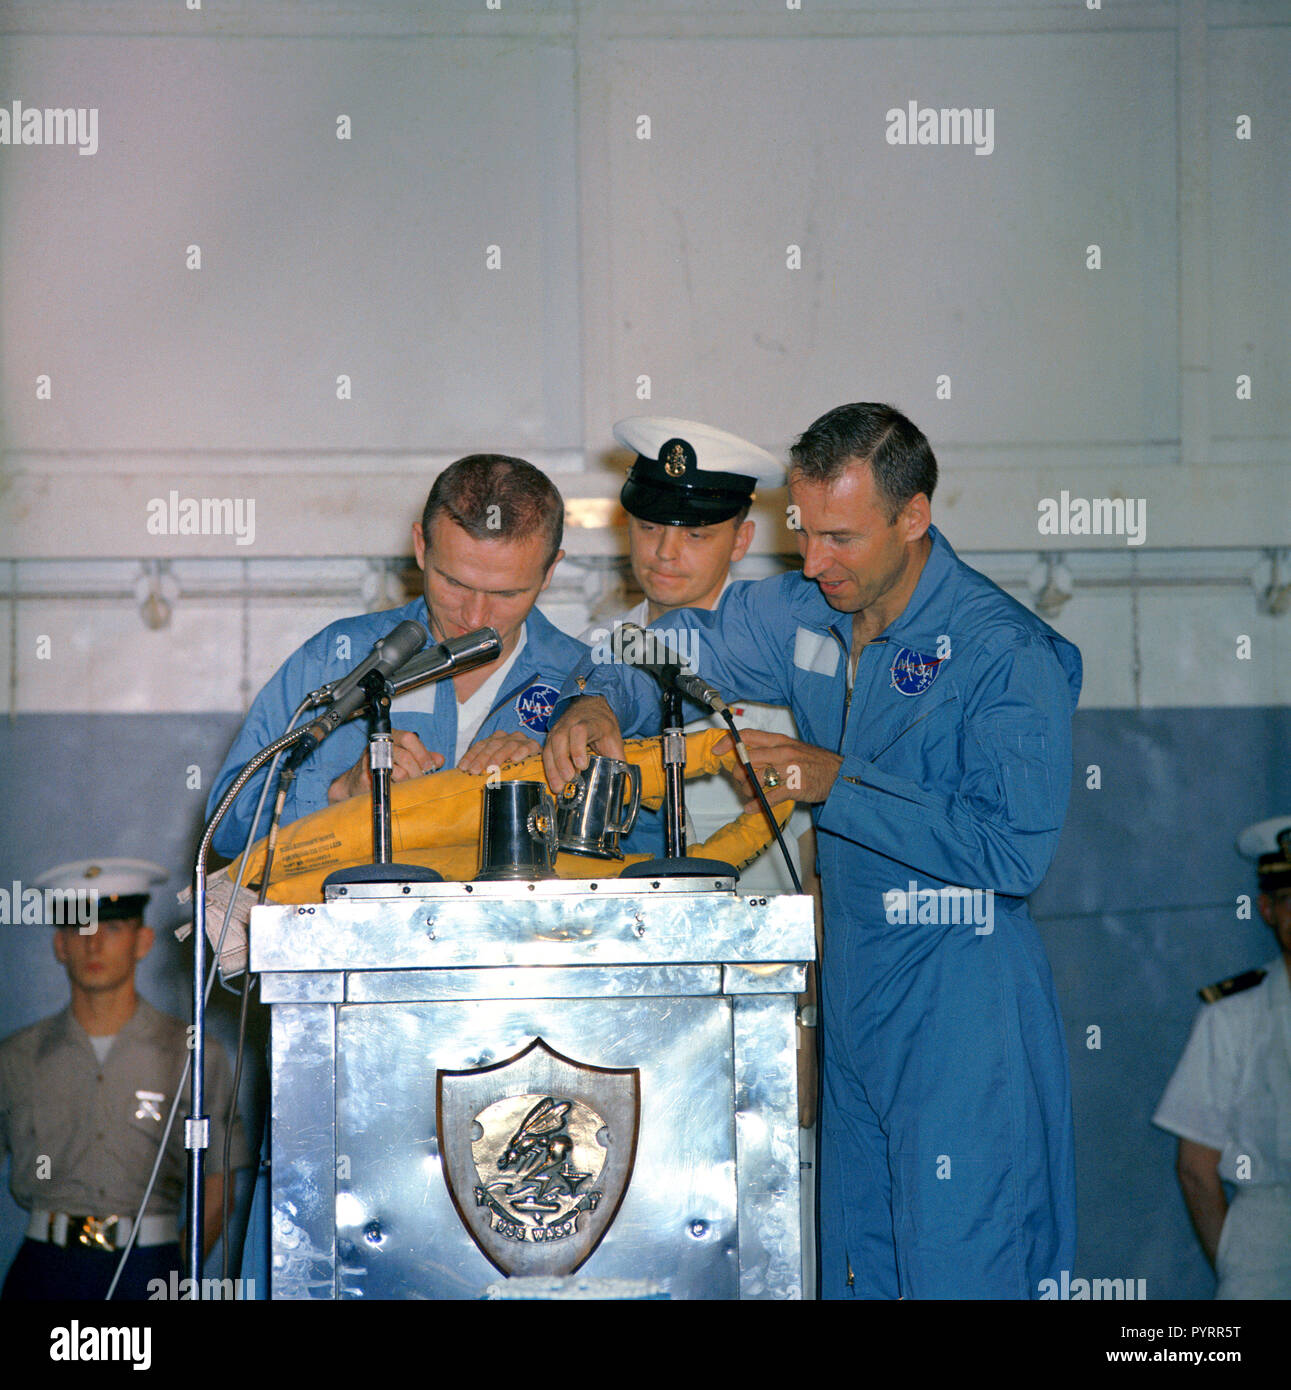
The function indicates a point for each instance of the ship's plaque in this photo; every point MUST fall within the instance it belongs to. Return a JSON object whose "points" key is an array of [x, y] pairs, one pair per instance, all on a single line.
{"points": [[537, 1153]]}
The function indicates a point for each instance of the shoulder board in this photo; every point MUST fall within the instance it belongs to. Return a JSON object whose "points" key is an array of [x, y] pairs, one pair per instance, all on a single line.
{"points": [[1212, 994]]}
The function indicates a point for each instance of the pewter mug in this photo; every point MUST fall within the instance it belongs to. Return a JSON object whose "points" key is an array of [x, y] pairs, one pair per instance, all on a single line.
{"points": [[597, 806], [517, 832]]}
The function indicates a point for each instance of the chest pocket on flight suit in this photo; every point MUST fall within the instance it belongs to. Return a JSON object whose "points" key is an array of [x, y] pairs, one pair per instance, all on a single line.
{"points": [[934, 721]]}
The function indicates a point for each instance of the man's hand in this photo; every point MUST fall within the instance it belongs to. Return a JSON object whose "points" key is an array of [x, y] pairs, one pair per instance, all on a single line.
{"points": [[798, 771], [1197, 1168], [496, 749], [411, 759], [586, 728]]}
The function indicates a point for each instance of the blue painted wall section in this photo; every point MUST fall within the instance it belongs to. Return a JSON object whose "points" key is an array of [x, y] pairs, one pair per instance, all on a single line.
{"points": [[1138, 911]]}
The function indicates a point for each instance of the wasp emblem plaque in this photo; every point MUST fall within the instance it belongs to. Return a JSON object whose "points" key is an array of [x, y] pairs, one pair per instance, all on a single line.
{"points": [[538, 1153]]}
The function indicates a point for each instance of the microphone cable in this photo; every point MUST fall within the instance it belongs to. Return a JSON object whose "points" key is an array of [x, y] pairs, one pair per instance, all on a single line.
{"points": [[188, 1061], [742, 753]]}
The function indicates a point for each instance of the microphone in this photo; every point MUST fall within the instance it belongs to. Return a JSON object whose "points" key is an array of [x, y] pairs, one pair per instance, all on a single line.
{"points": [[462, 653], [388, 654], [690, 684], [649, 651]]}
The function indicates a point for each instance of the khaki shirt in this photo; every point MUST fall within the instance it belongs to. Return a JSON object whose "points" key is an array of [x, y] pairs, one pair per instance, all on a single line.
{"points": [[83, 1138]]}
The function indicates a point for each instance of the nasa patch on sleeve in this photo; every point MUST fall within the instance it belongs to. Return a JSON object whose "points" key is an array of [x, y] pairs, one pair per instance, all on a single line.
{"points": [[912, 672], [534, 705]]}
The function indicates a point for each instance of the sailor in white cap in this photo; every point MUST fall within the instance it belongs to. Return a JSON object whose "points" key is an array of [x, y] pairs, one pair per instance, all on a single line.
{"points": [[687, 497], [1229, 1100], [84, 1097]]}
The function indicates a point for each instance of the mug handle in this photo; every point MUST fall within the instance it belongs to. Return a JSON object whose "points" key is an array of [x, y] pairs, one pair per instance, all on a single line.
{"points": [[544, 811], [634, 801]]}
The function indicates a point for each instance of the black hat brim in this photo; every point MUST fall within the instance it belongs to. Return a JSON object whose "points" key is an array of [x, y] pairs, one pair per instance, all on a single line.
{"points": [[682, 505]]}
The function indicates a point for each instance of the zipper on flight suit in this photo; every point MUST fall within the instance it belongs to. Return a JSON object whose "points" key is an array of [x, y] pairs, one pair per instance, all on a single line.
{"points": [[847, 711], [851, 671]]}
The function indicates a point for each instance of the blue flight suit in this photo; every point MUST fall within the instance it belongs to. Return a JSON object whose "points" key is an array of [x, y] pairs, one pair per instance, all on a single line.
{"points": [[947, 1154], [524, 706]]}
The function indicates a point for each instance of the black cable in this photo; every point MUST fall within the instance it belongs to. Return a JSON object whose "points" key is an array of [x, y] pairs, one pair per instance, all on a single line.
{"points": [[742, 753], [229, 1120], [285, 779]]}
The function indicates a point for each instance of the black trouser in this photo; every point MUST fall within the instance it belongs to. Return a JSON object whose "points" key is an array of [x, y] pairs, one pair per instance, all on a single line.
{"points": [[46, 1271]]}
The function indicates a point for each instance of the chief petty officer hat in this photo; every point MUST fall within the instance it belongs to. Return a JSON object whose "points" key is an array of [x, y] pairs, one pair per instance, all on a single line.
{"points": [[123, 886], [1268, 842], [688, 474]]}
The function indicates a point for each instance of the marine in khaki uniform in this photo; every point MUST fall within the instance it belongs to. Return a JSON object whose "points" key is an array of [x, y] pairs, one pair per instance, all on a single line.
{"points": [[84, 1097], [1229, 1100]]}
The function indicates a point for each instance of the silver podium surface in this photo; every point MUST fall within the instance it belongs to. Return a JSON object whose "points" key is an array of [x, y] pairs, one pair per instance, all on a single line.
{"points": [[377, 995]]}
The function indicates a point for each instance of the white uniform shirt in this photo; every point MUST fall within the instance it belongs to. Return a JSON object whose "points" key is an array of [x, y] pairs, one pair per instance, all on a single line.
{"points": [[714, 801], [1232, 1088], [475, 709], [471, 712]]}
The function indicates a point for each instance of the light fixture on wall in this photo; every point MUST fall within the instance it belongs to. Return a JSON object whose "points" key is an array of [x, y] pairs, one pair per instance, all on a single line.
{"points": [[156, 590], [1051, 585], [1272, 581]]}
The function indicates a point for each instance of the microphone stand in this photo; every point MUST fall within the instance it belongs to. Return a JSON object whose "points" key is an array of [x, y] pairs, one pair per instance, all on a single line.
{"points": [[675, 679], [197, 1126], [380, 764], [676, 863], [674, 771]]}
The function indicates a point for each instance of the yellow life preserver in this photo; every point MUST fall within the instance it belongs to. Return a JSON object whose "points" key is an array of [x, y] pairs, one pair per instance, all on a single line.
{"points": [[436, 822]]}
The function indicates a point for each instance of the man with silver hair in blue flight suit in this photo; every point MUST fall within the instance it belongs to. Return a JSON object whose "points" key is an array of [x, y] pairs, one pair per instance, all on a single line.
{"points": [[935, 715]]}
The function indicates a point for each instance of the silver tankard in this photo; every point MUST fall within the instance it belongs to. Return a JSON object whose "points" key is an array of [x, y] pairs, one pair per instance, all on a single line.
{"points": [[517, 832], [597, 806]]}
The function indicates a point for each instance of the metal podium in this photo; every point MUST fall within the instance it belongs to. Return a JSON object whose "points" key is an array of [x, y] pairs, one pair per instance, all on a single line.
{"points": [[474, 1082]]}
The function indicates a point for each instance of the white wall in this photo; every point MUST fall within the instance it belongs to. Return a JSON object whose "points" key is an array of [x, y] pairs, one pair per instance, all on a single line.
{"points": [[622, 258]]}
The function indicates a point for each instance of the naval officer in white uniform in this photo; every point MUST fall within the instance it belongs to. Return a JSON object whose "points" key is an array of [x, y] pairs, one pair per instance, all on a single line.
{"points": [[1229, 1100]]}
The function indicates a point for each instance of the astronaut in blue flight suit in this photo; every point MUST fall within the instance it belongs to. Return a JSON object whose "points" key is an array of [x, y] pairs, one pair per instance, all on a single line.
{"points": [[488, 544], [935, 721]]}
